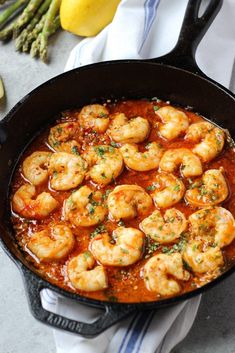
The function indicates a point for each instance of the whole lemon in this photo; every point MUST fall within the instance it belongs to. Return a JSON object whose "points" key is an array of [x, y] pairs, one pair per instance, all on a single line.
{"points": [[87, 17]]}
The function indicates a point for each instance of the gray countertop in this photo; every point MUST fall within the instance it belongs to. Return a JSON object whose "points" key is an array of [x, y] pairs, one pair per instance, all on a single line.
{"points": [[213, 330]]}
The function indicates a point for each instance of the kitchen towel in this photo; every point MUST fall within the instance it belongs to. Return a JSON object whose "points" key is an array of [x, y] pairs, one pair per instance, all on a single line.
{"points": [[145, 29]]}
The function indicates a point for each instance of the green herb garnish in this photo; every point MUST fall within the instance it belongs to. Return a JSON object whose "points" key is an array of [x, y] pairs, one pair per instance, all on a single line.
{"points": [[100, 229]]}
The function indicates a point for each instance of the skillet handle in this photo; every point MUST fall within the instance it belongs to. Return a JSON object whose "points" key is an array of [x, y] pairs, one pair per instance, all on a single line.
{"points": [[191, 33], [112, 313]]}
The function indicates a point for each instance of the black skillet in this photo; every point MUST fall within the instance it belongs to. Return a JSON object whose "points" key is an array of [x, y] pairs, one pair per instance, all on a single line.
{"points": [[173, 77]]}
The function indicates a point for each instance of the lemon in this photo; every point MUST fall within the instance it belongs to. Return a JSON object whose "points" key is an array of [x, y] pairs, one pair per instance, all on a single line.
{"points": [[87, 17]]}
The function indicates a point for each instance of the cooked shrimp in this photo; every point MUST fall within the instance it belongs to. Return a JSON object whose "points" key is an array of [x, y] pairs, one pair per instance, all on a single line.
{"points": [[128, 201], [211, 137], [52, 243], [215, 222], [83, 277], [85, 208], [37, 208], [35, 167], [167, 190], [164, 229], [94, 116], [142, 161], [126, 251], [156, 272], [105, 163], [66, 170], [202, 258], [128, 131], [62, 137], [189, 162], [174, 122], [210, 190]]}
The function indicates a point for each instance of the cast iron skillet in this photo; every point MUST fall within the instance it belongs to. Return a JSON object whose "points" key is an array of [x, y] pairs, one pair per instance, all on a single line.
{"points": [[173, 77]]}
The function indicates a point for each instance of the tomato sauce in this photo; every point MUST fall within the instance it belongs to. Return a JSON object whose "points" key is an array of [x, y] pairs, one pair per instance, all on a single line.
{"points": [[125, 283]]}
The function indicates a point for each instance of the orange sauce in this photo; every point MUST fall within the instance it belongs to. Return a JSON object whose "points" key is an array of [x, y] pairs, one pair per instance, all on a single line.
{"points": [[125, 283]]}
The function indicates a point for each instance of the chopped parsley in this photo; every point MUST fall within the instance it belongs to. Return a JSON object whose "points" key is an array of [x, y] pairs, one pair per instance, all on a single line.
{"points": [[91, 209], [100, 229], [151, 187], [111, 149], [155, 107], [179, 247], [125, 251], [103, 175], [100, 150], [86, 254], [167, 250], [113, 144], [103, 115], [151, 248], [92, 201], [194, 248], [75, 150], [106, 194], [176, 187], [121, 223]]}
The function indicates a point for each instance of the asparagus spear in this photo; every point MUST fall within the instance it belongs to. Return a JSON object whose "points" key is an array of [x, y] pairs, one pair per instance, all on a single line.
{"points": [[26, 15], [51, 13], [35, 48], [34, 51], [7, 32], [21, 39], [10, 10], [30, 37]]}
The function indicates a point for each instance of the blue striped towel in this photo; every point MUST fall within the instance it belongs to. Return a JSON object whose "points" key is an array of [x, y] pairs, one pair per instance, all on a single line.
{"points": [[144, 332]]}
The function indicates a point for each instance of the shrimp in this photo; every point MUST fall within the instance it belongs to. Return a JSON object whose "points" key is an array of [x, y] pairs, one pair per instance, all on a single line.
{"points": [[105, 163], [126, 251], [215, 222], [128, 131], [211, 190], [156, 272], [167, 190], [27, 207], [85, 207], [211, 137], [52, 244], [142, 161], [62, 137], [174, 122], [202, 258], [66, 170], [94, 116], [83, 277], [189, 162], [128, 201], [35, 167], [164, 229]]}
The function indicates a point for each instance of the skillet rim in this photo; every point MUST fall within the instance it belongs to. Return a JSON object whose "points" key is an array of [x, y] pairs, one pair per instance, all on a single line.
{"points": [[86, 300], [158, 61]]}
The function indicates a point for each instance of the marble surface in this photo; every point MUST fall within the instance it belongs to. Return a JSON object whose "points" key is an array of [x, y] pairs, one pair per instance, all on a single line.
{"points": [[213, 330]]}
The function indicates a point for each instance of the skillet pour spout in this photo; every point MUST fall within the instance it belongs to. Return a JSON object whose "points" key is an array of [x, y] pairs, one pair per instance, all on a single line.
{"points": [[175, 77]]}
